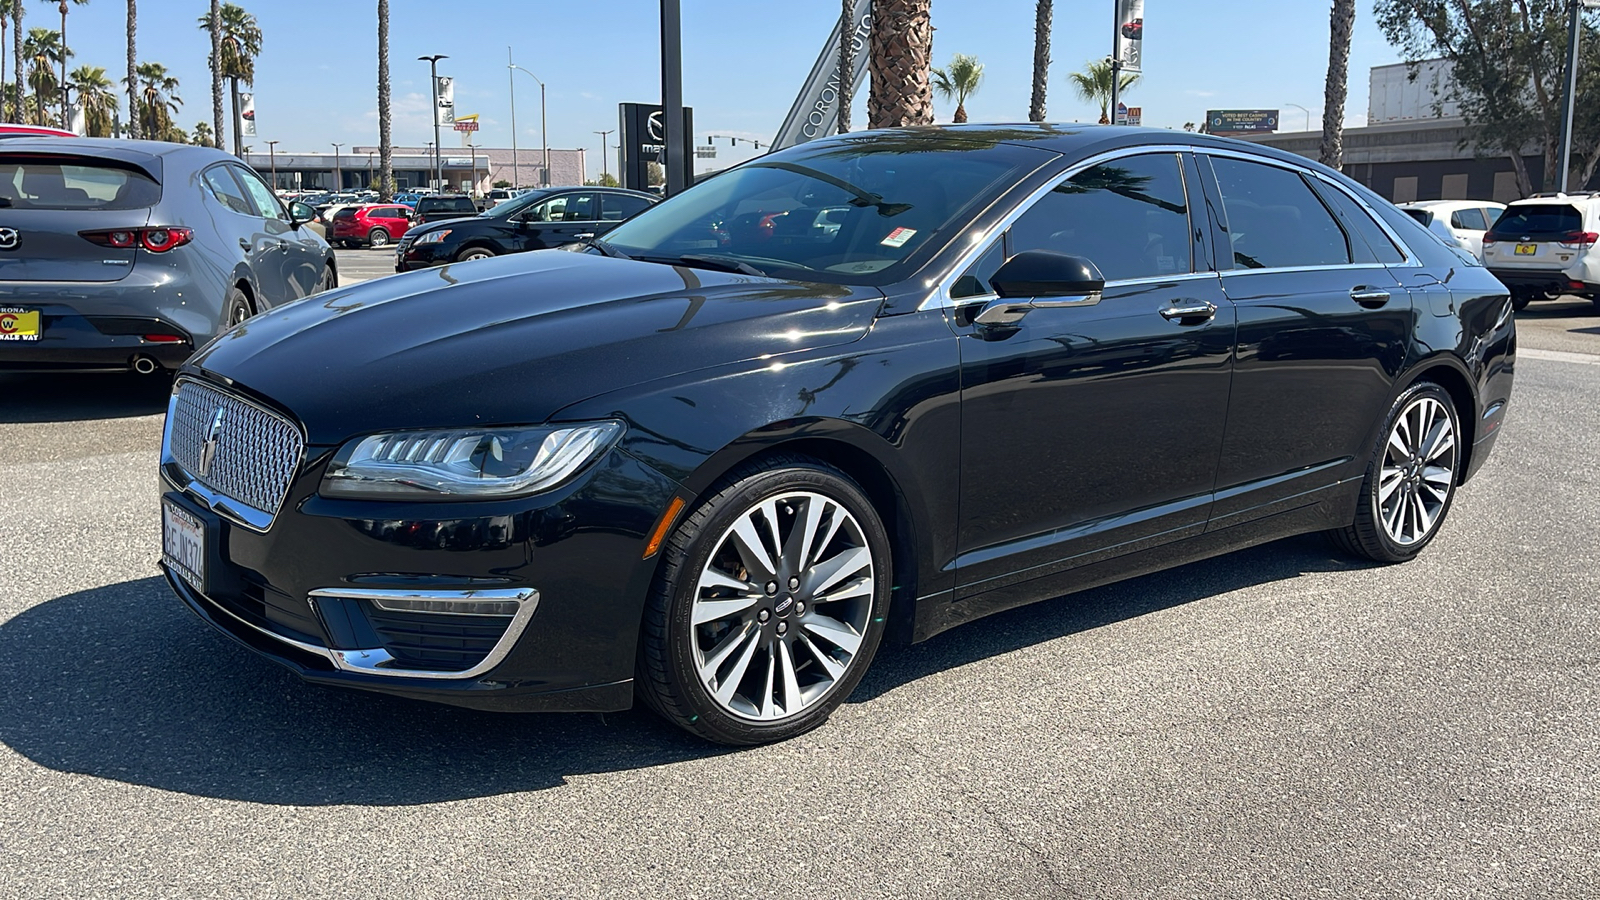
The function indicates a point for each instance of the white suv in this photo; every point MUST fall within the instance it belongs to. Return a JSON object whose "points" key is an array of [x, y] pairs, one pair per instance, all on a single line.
{"points": [[1546, 246], [1459, 222]]}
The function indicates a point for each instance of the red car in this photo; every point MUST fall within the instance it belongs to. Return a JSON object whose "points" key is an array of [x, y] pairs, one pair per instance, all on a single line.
{"points": [[10, 129], [374, 225]]}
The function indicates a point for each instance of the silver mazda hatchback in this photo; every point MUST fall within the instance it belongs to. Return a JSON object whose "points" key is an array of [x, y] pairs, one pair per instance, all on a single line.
{"points": [[120, 256]]}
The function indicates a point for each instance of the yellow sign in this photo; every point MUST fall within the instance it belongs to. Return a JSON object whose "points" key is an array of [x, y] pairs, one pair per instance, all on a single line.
{"points": [[19, 324]]}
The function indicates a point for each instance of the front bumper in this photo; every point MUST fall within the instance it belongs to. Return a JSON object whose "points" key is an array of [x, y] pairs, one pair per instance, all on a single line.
{"points": [[299, 591], [409, 257]]}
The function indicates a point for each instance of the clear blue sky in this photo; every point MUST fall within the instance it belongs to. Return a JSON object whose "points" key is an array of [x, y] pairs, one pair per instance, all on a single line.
{"points": [[743, 61]]}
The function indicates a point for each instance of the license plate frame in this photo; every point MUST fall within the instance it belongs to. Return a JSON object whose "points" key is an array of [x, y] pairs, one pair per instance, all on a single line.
{"points": [[1526, 250], [20, 323], [184, 544]]}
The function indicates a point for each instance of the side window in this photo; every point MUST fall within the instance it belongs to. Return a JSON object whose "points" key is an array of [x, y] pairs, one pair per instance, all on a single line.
{"points": [[1359, 220], [267, 205], [1469, 219], [581, 208], [975, 281], [226, 190], [616, 207], [1491, 214], [1274, 220], [1130, 217], [552, 210]]}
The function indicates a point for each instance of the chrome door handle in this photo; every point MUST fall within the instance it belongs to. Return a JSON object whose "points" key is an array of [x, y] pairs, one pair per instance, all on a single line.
{"points": [[1370, 297], [1190, 309], [583, 237]]}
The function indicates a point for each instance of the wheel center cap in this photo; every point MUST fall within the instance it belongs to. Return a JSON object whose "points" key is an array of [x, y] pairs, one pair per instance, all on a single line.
{"points": [[784, 605]]}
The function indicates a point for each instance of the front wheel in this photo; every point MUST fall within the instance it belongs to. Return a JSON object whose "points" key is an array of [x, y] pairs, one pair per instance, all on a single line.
{"points": [[1411, 479], [237, 308], [769, 606], [472, 253]]}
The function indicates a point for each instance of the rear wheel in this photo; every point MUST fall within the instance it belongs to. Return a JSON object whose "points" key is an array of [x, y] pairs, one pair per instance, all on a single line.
{"points": [[1411, 479], [237, 308], [472, 253], [377, 237], [769, 607]]}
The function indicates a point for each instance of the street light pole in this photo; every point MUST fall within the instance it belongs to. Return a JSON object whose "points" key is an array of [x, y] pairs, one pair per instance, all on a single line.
{"points": [[272, 154], [1304, 110], [338, 175], [544, 134], [369, 170], [511, 77], [603, 135], [433, 89]]}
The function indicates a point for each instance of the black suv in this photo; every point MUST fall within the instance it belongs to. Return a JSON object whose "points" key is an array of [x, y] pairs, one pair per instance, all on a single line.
{"points": [[435, 208], [537, 220]]}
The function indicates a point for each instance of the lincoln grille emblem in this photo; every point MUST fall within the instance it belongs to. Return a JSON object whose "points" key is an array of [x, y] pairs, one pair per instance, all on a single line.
{"points": [[208, 449]]}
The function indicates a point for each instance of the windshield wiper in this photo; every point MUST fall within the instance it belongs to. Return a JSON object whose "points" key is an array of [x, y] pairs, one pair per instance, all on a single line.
{"points": [[589, 240], [723, 263], [860, 198]]}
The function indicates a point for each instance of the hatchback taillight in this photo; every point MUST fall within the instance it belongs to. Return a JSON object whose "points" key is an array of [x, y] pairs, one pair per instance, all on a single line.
{"points": [[156, 240], [1577, 240]]}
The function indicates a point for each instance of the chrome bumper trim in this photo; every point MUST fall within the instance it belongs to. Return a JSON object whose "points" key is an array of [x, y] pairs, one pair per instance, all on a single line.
{"points": [[377, 661]]}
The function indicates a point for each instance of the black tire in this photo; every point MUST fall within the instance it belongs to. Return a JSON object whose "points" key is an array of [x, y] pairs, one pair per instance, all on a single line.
{"points": [[330, 279], [668, 678], [1370, 535], [378, 237], [237, 308], [472, 253]]}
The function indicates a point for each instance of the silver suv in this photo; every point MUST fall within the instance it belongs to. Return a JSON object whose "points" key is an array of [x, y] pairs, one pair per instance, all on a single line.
{"points": [[1546, 246]]}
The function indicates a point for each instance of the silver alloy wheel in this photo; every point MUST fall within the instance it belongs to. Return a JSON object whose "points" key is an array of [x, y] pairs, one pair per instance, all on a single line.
{"points": [[781, 606], [238, 314], [378, 237], [1418, 473], [475, 253]]}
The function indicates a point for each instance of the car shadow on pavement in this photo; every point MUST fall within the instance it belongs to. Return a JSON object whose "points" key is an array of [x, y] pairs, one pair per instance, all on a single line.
{"points": [[71, 398], [122, 682]]}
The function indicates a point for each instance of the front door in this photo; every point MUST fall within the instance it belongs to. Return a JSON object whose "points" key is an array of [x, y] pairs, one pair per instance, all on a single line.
{"points": [[1091, 431], [1324, 327], [297, 261]]}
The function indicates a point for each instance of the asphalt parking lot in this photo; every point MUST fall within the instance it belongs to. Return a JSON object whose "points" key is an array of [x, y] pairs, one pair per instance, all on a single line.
{"points": [[1275, 723]]}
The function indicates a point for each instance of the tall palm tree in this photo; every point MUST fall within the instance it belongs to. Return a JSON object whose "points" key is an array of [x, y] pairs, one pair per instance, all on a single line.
{"points": [[66, 52], [900, 52], [43, 49], [203, 135], [158, 100], [97, 98], [132, 81], [1341, 22], [960, 80], [385, 117], [5, 25], [1093, 85], [847, 60], [16, 53], [212, 23], [240, 39], [1043, 12]]}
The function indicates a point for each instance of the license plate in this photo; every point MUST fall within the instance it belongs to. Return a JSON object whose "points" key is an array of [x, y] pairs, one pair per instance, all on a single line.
{"points": [[1527, 249], [19, 324], [183, 544]]}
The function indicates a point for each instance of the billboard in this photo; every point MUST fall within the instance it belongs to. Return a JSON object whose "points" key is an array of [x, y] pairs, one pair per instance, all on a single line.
{"points": [[247, 115], [643, 140], [816, 110], [444, 94], [1241, 121], [1130, 34]]}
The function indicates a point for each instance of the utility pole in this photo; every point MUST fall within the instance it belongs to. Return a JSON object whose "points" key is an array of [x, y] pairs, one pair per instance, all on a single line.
{"points": [[511, 77], [433, 90], [544, 123], [272, 154], [338, 174], [603, 135], [672, 94]]}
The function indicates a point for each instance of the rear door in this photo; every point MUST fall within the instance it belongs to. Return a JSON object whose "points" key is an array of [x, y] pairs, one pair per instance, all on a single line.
{"points": [[1468, 226], [47, 201], [559, 220], [1323, 331]]}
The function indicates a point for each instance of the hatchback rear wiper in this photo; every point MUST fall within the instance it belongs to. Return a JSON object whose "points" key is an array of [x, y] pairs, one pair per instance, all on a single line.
{"points": [[724, 263]]}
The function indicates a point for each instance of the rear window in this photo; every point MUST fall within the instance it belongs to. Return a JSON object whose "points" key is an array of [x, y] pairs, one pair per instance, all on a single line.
{"points": [[58, 184], [346, 213], [1539, 219], [443, 204], [1421, 215]]}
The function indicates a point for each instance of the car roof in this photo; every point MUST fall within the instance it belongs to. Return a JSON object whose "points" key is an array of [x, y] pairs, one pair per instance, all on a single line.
{"points": [[1574, 199]]}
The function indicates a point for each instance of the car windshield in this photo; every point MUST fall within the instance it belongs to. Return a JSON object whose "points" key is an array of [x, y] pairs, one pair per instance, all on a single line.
{"points": [[1534, 219], [847, 212], [514, 205]]}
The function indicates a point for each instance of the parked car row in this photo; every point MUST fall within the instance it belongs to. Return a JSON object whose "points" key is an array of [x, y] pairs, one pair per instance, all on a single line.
{"points": [[1541, 248]]}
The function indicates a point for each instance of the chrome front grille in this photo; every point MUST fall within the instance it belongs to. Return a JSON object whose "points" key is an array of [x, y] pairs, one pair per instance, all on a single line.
{"points": [[238, 450]]}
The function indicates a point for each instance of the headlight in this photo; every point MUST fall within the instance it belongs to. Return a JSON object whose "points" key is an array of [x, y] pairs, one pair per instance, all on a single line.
{"points": [[433, 237], [467, 463]]}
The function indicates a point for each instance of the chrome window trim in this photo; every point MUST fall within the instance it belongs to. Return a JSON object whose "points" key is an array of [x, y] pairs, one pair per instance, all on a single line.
{"points": [[374, 661], [236, 511]]}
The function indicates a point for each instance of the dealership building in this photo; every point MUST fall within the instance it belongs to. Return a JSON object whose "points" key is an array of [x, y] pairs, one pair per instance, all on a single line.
{"points": [[1416, 145], [474, 170]]}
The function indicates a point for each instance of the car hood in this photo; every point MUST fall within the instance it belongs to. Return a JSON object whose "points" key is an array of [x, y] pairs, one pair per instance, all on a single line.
{"points": [[513, 339]]}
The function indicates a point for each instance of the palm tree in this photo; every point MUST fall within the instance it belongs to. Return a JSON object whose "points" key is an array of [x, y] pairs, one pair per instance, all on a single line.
{"points": [[241, 44], [900, 52], [1043, 12], [158, 100], [96, 97], [960, 80], [16, 53], [203, 135], [212, 23], [5, 24], [65, 52], [1341, 22], [847, 60], [1093, 85], [43, 48], [385, 118], [132, 81]]}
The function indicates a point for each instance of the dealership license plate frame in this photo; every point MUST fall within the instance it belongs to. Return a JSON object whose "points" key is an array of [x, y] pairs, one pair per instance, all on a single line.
{"points": [[22, 316], [186, 533], [1526, 250]]}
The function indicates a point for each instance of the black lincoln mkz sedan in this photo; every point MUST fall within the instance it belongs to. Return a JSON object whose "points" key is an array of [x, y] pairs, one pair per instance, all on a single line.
{"points": [[874, 386]]}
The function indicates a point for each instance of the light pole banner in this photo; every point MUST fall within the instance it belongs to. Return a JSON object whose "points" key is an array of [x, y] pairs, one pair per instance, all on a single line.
{"points": [[444, 94], [1130, 34], [247, 115]]}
